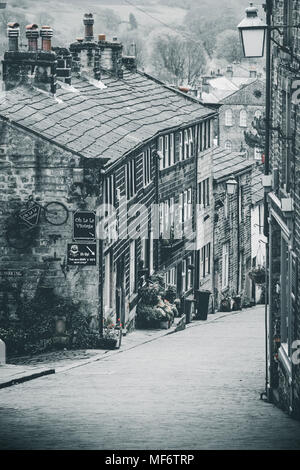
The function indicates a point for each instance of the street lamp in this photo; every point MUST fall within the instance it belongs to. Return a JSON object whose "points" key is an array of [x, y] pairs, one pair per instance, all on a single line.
{"points": [[253, 33], [231, 185]]}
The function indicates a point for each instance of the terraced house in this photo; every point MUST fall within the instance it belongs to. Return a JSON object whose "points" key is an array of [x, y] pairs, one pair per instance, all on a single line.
{"points": [[284, 212], [114, 152]]}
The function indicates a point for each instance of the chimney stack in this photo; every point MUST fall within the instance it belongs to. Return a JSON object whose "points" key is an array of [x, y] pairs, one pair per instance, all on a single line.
{"points": [[13, 34], [46, 34], [88, 22], [32, 34], [111, 55]]}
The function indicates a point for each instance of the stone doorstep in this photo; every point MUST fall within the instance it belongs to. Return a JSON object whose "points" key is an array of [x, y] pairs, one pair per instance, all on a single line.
{"points": [[12, 375]]}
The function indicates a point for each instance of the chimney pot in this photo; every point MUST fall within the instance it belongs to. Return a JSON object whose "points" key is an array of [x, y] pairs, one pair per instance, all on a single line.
{"points": [[101, 37], [46, 34], [13, 33], [32, 34], [79, 39], [88, 22]]}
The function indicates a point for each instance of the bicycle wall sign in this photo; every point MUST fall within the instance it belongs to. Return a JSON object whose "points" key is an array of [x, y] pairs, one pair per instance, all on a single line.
{"points": [[22, 226], [84, 225], [82, 254]]}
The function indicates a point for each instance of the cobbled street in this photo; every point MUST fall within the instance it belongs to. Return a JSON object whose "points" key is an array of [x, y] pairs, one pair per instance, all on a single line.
{"points": [[196, 389]]}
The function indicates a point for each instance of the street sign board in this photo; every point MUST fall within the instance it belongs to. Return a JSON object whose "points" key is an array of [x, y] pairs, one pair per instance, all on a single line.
{"points": [[31, 216], [82, 254], [84, 225]]}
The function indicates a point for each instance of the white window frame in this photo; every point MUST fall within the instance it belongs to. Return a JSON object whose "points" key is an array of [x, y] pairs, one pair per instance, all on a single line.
{"points": [[186, 144], [166, 151], [181, 153], [189, 203], [243, 118], [228, 117], [191, 142], [228, 145], [172, 150], [161, 150], [147, 176], [131, 179]]}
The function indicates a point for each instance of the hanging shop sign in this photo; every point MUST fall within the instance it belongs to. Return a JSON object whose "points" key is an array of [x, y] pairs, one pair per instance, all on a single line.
{"points": [[84, 225], [82, 254]]}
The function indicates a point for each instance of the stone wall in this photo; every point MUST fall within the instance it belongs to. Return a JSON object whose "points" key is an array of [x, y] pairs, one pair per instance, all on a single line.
{"points": [[30, 165], [237, 233]]}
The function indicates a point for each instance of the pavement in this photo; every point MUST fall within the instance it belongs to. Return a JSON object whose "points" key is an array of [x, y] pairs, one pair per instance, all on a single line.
{"points": [[196, 389], [25, 368]]}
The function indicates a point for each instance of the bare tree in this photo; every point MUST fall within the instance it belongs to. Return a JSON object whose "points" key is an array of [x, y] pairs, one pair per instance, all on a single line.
{"points": [[177, 59]]}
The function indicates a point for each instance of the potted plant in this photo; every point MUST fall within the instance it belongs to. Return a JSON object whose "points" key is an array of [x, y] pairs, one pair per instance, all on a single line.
{"points": [[112, 334], [225, 304]]}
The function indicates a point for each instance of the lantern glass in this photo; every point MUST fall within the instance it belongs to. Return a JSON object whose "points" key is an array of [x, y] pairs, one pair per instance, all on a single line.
{"points": [[253, 32], [231, 186], [253, 41]]}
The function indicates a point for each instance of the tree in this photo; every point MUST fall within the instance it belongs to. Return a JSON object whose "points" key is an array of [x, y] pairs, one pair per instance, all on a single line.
{"points": [[177, 59], [133, 22], [228, 46], [110, 19]]}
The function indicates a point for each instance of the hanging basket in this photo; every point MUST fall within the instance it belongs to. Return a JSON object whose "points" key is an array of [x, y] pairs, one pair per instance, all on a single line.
{"points": [[258, 275]]}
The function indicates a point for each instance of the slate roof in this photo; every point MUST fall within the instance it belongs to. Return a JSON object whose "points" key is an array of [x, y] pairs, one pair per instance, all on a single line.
{"points": [[257, 189], [227, 163], [102, 120], [246, 95]]}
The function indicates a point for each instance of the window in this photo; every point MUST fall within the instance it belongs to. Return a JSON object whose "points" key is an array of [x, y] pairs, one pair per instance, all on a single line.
{"points": [[172, 156], [203, 193], [178, 147], [189, 203], [243, 118], [225, 265], [170, 277], [228, 117], [166, 152], [130, 179], [189, 278], [207, 259], [191, 143], [132, 263], [200, 137], [109, 193], [181, 146], [228, 145], [186, 144], [202, 263], [258, 114], [208, 133], [147, 166], [161, 151]]}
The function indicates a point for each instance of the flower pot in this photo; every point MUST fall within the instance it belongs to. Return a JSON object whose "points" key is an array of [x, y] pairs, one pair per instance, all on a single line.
{"points": [[164, 325]]}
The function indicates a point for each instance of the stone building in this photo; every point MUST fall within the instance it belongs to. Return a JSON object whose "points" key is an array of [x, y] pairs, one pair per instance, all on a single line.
{"points": [[284, 213], [82, 129], [258, 239], [232, 175], [236, 114]]}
